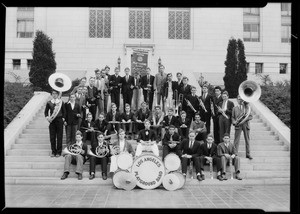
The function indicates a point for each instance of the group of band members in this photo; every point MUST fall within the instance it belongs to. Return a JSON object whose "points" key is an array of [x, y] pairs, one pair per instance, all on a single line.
{"points": [[87, 116]]}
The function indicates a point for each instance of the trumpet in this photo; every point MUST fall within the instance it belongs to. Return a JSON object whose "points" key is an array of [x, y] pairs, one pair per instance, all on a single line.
{"points": [[223, 113], [100, 151], [202, 104], [190, 105], [73, 149]]}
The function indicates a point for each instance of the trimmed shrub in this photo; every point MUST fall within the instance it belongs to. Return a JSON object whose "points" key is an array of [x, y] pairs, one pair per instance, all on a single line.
{"points": [[15, 98]]}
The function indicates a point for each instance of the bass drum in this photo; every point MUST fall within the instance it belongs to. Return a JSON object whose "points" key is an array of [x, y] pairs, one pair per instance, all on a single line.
{"points": [[118, 176], [149, 171], [172, 162], [124, 160]]}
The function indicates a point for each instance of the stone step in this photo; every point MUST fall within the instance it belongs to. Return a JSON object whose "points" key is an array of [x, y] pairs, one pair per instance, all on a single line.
{"points": [[254, 147], [267, 154], [100, 182], [265, 174], [60, 165], [26, 152], [47, 158]]}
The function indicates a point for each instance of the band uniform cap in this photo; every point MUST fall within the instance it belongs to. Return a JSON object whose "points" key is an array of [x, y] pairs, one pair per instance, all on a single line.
{"points": [[66, 82]]}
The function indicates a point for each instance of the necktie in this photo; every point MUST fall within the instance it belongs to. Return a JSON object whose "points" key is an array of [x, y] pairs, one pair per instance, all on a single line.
{"points": [[148, 79], [171, 138], [208, 146], [204, 96], [126, 78], [191, 144]]}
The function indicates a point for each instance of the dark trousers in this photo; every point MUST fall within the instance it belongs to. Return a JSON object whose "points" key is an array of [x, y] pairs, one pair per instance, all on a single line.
{"points": [[190, 115], [201, 136], [115, 98], [186, 161], [183, 132], [111, 127], [93, 110], [88, 136], [167, 150], [206, 118], [150, 98], [94, 161], [127, 98], [71, 133], [216, 129], [224, 126], [216, 161], [56, 135]]}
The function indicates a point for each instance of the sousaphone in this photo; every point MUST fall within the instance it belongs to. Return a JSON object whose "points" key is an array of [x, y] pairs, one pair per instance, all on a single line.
{"points": [[60, 82]]}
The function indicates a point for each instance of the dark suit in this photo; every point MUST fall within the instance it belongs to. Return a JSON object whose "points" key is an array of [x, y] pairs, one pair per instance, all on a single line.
{"points": [[212, 152], [144, 82], [194, 151], [127, 147], [183, 132], [55, 127], [128, 126], [165, 142], [140, 115], [72, 121], [92, 100], [94, 160], [206, 116], [195, 103], [115, 83], [101, 126], [136, 94], [166, 89], [224, 123], [143, 136], [245, 127], [167, 122], [112, 126], [216, 101], [185, 90], [87, 135], [126, 90], [222, 149]]}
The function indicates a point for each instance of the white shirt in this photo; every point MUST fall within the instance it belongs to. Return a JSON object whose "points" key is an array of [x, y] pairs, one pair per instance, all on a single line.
{"points": [[191, 144], [72, 105], [122, 144], [225, 105]]}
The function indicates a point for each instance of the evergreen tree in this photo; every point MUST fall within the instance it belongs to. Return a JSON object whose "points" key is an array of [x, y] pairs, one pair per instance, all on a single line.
{"points": [[235, 70], [43, 62], [241, 74], [231, 67]]}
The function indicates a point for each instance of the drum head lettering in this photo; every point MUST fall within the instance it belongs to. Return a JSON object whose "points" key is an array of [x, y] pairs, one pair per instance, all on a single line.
{"points": [[149, 171]]}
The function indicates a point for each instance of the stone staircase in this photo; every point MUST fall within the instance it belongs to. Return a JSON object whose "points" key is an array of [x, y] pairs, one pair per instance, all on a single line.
{"points": [[29, 162]]}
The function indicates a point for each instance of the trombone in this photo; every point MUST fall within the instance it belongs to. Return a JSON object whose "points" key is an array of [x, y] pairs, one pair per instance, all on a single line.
{"points": [[190, 105], [202, 104]]}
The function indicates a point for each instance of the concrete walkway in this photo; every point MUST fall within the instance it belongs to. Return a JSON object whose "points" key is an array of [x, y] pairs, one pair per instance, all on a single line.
{"points": [[268, 198]]}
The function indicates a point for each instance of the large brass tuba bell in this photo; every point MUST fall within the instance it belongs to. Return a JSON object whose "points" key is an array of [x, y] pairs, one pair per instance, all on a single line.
{"points": [[249, 91], [60, 82]]}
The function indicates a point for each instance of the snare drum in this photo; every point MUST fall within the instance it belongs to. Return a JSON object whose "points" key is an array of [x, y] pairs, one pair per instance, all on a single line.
{"points": [[149, 171], [124, 160], [172, 162]]}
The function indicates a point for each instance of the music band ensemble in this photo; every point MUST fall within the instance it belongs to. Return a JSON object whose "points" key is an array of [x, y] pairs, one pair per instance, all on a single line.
{"points": [[99, 120]]}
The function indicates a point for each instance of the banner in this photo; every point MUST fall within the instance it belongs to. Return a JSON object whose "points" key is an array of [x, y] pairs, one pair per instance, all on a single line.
{"points": [[139, 61]]}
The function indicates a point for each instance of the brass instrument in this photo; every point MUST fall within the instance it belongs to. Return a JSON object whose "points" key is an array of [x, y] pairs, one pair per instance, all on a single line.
{"points": [[115, 150], [249, 91], [202, 104], [190, 105], [212, 108], [73, 149], [223, 113], [101, 151]]}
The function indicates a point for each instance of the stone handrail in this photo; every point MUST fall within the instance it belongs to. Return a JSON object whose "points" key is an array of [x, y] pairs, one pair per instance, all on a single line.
{"points": [[19, 123], [271, 120]]}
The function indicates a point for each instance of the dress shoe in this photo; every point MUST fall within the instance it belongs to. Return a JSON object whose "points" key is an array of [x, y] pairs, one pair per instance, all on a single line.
{"points": [[249, 157], [57, 155], [184, 175], [224, 177], [202, 176], [238, 177], [92, 176], [219, 177], [104, 176], [52, 155], [64, 176], [79, 176], [199, 178]]}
